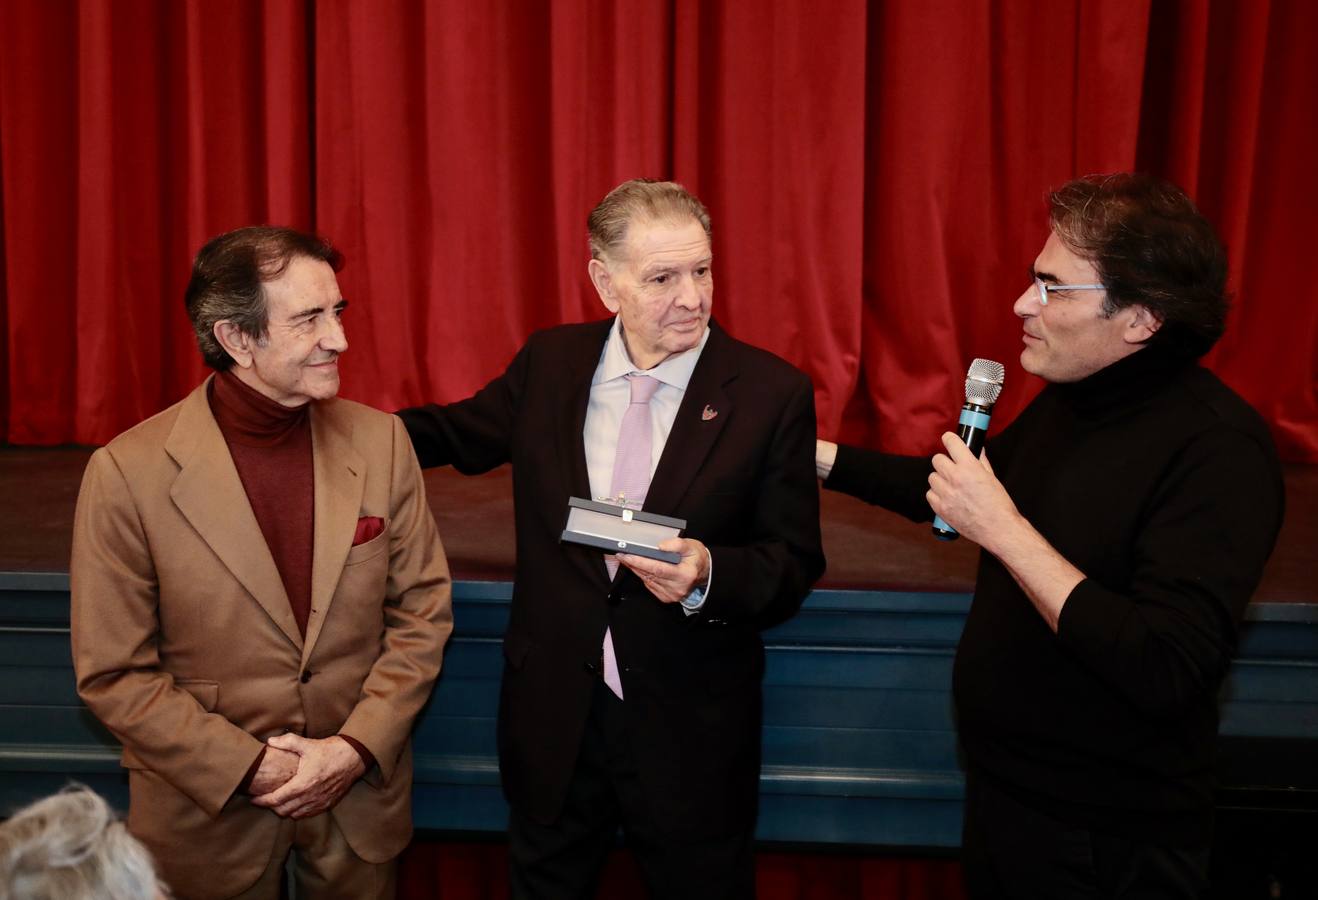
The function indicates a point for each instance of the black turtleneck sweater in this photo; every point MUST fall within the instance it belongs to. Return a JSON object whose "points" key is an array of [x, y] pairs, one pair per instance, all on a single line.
{"points": [[1163, 487]]}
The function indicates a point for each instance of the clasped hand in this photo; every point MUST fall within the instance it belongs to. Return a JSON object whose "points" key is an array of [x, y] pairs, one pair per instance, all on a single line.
{"points": [[671, 582], [967, 495], [324, 770]]}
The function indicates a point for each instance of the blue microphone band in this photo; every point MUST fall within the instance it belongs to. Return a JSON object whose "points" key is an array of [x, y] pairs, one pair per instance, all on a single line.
{"points": [[974, 419]]}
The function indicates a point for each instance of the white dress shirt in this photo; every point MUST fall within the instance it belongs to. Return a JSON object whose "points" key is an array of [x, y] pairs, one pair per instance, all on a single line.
{"points": [[610, 394]]}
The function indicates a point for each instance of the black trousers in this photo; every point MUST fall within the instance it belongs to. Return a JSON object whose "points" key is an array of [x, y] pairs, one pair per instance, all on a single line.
{"points": [[562, 861], [1012, 850]]}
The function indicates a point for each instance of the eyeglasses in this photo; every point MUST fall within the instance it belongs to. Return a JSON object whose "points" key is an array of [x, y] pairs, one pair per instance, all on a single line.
{"points": [[1044, 287]]}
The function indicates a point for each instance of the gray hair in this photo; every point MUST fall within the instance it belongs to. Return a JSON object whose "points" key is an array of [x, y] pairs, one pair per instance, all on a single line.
{"points": [[640, 200], [71, 847], [229, 276]]}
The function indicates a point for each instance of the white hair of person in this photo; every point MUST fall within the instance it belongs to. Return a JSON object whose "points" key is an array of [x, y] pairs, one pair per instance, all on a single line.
{"points": [[70, 846]]}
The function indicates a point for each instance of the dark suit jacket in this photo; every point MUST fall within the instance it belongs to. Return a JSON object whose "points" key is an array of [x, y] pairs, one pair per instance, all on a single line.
{"points": [[744, 480]]}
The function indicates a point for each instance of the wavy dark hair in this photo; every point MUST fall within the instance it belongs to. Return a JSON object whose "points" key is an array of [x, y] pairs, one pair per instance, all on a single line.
{"points": [[229, 276], [1151, 246]]}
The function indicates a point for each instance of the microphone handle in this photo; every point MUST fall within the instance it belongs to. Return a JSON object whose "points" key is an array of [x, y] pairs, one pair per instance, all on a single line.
{"points": [[971, 427]]}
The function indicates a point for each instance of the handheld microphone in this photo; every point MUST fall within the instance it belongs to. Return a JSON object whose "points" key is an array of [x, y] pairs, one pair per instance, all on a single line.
{"points": [[983, 385]]}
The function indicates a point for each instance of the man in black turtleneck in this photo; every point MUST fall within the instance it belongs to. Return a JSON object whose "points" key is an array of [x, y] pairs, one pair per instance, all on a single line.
{"points": [[1125, 517], [259, 596]]}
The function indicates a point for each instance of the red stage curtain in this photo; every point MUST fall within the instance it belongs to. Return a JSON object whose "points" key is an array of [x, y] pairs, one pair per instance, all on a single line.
{"points": [[876, 173], [440, 870], [129, 133]]}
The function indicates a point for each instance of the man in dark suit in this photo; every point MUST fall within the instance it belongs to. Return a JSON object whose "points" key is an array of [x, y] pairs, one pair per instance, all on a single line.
{"points": [[634, 699]]}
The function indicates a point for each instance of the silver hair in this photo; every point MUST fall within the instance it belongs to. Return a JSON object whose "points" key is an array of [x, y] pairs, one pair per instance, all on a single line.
{"points": [[640, 200], [71, 847]]}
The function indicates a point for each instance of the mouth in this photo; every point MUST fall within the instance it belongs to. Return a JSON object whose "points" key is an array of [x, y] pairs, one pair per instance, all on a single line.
{"points": [[685, 324], [325, 365]]}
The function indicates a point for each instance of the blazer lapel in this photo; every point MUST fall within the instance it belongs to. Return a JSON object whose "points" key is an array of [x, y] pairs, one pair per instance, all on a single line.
{"points": [[580, 370], [572, 424], [706, 408], [340, 481], [209, 494]]}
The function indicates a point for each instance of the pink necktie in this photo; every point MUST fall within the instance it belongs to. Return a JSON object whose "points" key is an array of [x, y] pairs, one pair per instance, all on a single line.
{"points": [[631, 480]]}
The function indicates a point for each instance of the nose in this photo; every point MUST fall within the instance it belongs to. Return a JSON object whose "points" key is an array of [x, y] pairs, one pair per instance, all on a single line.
{"points": [[334, 338], [688, 293], [1027, 304]]}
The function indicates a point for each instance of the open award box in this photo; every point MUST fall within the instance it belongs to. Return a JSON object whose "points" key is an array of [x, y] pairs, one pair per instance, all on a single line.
{"points": [[618, 529]]}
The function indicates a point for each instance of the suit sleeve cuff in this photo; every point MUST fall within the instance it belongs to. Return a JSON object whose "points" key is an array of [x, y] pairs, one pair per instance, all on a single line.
{"points": [[693, 601], [368, 758], [245, 787]]}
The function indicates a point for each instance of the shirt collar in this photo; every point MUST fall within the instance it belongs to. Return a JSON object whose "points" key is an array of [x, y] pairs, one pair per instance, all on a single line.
{"points": [[675, 371]]}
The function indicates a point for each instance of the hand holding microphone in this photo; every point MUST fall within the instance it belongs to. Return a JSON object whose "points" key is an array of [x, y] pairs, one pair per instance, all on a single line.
{"points": [[983, 386]]}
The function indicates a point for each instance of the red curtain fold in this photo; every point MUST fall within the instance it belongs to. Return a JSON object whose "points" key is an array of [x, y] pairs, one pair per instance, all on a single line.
{"points": [[771, 134], [439, 870], [876, 173], [1229, 114], [129, 133], [976, 109]]}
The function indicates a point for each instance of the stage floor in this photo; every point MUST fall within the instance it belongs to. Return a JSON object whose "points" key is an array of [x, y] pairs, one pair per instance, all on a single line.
{"points": [[867, 548]]}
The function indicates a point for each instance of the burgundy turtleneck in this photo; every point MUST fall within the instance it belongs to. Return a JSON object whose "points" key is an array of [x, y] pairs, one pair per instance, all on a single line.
{"points": [[271, 448]]}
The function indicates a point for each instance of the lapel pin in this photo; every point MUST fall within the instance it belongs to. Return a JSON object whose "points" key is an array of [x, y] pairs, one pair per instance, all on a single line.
{"points": [[709, 413]]}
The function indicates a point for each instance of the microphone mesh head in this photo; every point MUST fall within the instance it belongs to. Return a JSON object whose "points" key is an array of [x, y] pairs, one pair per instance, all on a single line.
{"points": [[984, 382]]}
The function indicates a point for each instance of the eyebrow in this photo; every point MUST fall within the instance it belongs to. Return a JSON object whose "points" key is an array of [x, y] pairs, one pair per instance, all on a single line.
{"points": [[313, 310], [660, 268], [1044, 276]]}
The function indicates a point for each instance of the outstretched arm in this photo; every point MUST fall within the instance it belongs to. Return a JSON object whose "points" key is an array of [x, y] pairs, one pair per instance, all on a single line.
{"points": [[472, 435]]}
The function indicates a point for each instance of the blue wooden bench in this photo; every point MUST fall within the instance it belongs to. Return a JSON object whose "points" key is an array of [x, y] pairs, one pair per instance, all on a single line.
{"points": [[859, 742]]}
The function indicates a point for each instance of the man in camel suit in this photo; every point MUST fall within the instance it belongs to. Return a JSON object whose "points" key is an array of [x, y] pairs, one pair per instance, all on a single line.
{"points": [[260, 597]]}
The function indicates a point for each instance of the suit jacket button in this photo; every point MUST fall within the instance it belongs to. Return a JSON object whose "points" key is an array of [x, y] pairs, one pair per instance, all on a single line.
{"points": [[306, 676]]}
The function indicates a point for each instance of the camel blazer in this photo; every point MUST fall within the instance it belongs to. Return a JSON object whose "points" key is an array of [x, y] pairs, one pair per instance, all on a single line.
{"points": [[185, 645]]}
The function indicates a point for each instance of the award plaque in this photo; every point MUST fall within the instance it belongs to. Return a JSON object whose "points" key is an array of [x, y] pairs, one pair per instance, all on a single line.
{"points": [[617, 529]]}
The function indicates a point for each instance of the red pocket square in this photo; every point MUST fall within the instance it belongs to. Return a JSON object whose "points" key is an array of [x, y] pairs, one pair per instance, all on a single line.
{"points": [[367, 527]]}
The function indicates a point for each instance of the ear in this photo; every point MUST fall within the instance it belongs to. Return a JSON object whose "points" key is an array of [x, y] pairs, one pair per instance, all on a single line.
{"points": [[235, 343], [603, 281], [1141, 325]]}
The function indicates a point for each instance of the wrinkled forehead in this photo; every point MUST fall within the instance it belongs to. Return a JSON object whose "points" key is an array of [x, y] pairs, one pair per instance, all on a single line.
{"points": [[676, 235], [306, 283]]}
